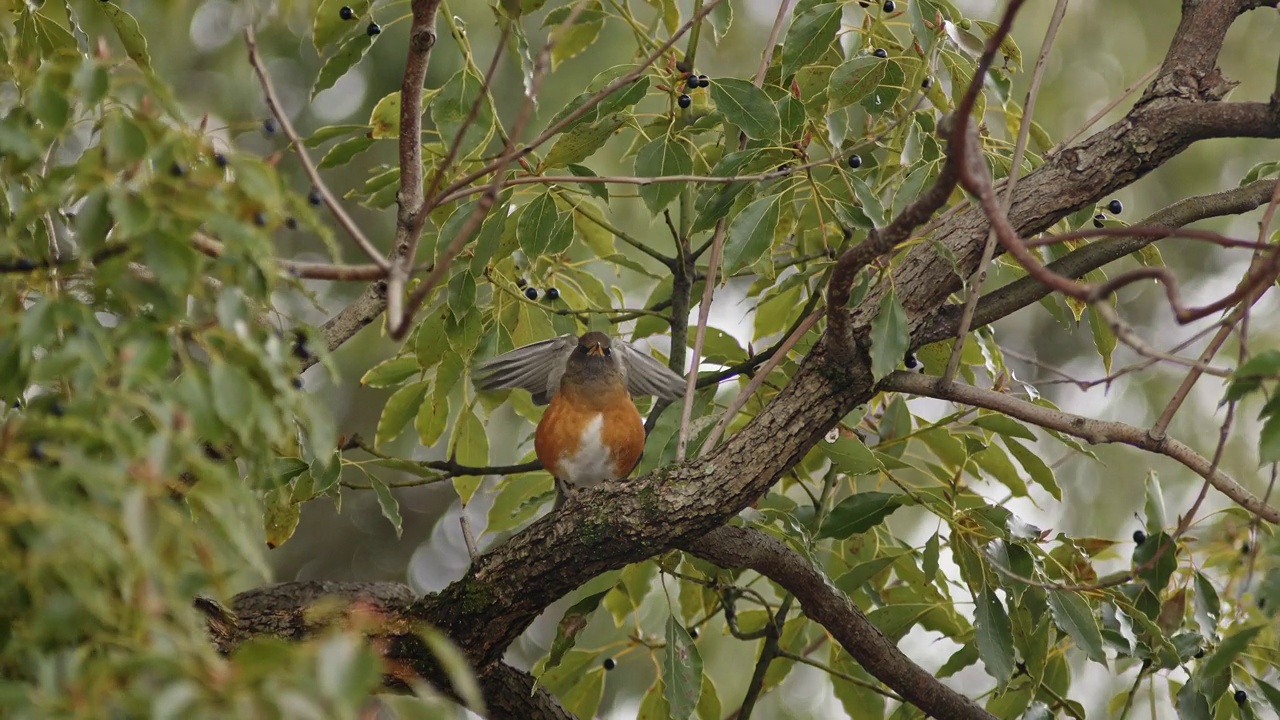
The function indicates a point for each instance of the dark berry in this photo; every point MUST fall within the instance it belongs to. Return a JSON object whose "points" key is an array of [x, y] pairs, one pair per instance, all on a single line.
{"points": [[1241, 696], [855, 161], [260, 219], [910, 361], [521, 282], [684, 101], [784, 168], [300, 349], [297, 383], [531, 293], [1139, 537], [1097, 220], [269, 126], [692, 84], [313, 197], [864, 3], [609, 663], [176, 170], [220, 160], [926, 83], [889, 6], [1199, 653], [1115, 207], [703, 81], [553, 294], [693, 633], [1244, 548], [346, 13], [881, 53], [373, 29]]}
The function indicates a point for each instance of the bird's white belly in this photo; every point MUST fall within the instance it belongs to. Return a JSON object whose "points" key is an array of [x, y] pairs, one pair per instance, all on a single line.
{"points": [[592, 462]]}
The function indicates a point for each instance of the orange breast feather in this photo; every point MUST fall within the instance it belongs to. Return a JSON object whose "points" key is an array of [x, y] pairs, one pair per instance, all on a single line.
{"points": [[588, 437]]}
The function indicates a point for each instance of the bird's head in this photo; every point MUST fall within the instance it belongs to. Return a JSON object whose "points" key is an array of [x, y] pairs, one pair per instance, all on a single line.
{"points": [[594, 361]]}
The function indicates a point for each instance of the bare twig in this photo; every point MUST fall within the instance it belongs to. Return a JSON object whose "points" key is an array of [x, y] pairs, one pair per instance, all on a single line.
{"points": [[1087, 429]]}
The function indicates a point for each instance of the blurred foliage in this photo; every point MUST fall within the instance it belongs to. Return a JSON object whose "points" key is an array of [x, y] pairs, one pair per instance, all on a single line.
{"points": [[156, 439]]}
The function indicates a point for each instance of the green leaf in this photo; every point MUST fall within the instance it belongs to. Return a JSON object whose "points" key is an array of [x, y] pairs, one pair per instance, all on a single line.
{"points": [[851, 456], [1103, 339], [1156, 575], [994, 635], [542, 227], [1249, 376], [451, 107], [854, 80], [135, 44], [890, 336], [470, 446], [1073, 615], [579, 143], [280, 517], [811, 34], [350, 53], [1231, 647], [387, 502], [664, 155], [342, 153], [573, 622], [598, 189], [1040, 473], [433, 417], [1269, 441], [859, 513], [751, 233], [384, 120], [681, 671], [1154, 504], [747, 107], [392, 371], [400, 408], [328, 25], [1004, 425], [1208, 608]]}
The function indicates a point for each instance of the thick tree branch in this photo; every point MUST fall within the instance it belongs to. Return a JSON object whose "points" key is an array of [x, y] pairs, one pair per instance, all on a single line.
{"points": [[1026, 291], [738, 547]]}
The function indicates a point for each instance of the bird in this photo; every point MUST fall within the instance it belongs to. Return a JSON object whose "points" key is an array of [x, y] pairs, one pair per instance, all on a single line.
{"points": [[591, 431]]}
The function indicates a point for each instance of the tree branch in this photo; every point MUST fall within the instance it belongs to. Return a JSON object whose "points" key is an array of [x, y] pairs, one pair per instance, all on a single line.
{"points": [[1088, 429], [738, 547]]}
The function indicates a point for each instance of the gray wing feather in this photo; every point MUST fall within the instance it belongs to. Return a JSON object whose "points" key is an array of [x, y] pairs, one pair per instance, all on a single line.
{"points": [[647, 376], [536, 367]]}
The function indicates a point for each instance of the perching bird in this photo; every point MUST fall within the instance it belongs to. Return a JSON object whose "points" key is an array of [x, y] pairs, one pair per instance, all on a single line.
{"points": [[592, 431]]}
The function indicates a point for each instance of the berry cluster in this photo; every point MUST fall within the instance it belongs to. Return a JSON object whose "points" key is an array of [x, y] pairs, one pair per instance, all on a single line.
{"points": [[532, 292], [1115, 207], [692, 81], [346, 13]]}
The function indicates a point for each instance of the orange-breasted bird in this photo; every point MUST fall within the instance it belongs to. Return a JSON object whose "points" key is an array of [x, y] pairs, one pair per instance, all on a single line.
{"points": [[592, 431]]}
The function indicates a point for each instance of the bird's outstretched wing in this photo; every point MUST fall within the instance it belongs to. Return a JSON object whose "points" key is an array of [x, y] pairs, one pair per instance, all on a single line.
{"points": [[536, 368], [647, 376]]}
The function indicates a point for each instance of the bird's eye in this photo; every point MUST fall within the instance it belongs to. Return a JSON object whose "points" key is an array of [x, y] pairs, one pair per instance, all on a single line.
{"points": [[608, 352], [583, 350]]}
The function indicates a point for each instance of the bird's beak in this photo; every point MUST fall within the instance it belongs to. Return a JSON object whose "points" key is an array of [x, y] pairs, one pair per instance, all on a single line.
{"points": [[597, 350]]}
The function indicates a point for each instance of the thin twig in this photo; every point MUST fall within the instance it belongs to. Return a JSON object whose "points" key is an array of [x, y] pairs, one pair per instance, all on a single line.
{"points": [[277, 110], [1024, 132], [1088, 429]]}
